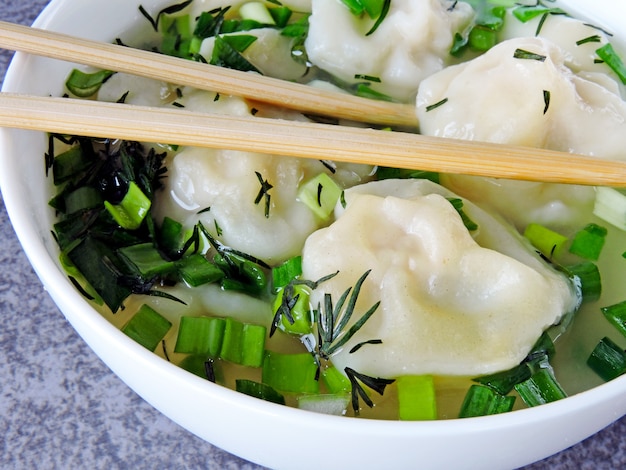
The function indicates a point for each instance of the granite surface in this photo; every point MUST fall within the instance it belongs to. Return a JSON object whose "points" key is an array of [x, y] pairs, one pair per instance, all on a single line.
{"points": [[61, 407]]}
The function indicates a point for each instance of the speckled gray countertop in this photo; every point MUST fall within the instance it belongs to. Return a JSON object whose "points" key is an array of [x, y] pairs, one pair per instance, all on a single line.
{"points": [[62, 408]]}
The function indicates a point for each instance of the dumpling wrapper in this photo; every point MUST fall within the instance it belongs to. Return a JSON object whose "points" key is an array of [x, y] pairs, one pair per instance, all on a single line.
{"points": [[451, 303]]}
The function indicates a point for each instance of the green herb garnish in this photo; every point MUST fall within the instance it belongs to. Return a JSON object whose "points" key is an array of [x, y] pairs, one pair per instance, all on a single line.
{"points": [[522, 54]]}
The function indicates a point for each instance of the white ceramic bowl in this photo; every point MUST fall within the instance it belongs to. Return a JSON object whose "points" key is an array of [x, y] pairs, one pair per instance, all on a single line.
{"points": [[237, 423]]}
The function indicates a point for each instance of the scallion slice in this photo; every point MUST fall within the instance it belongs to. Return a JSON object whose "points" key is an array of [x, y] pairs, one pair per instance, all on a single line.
{"points": [[335, 381], [335, 404], [196, 270], [256, 11], [320, 194], [416, 398], [297, 318], [616, 315], [148, 327], [588, 242], [588, 275], [547, 241], [610, 206], [200, 335], [84, 85], [146, 260], [292, 373], [259, 390], [484, 401], [129, 213], [284, 273], [542, 387], [607, 359], [608, 54]]}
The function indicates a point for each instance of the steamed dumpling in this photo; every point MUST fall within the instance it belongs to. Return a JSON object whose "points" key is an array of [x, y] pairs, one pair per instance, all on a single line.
{"points": [[227, 182], [536, 103], [411, 43], [451, 303]]}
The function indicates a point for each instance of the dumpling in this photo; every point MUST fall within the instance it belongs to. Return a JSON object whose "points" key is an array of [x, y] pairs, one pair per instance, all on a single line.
{"points": [[452, 303], [536, 102], [411, 43], [229, 182]]}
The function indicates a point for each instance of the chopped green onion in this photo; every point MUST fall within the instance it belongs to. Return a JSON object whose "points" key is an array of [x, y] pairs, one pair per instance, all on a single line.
{"points": [[588, 242], [96, 261], [610, 206], [256, 11], [253, 347], [542, 387], [588, 275], [284, 273], [84, 85], [613, 60], [147, 327], [259, 390], [243, 343], [82, 198], [335, 404], [69, 164], [616, 315], [335, 381], [281, 15], [416, 398], [291, 373], [547, 241], [170, 235], [484, 401], [132, 210], [504, 382], [196, 270], [297, 318], [200, 335], [525, 13], [203, 367], [227, 52], [145, 259], [607, 360], [320, 194], [481, 38], [232, 343]]}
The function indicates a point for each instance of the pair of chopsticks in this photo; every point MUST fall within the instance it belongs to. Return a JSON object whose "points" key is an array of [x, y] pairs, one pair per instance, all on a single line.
{"points": [[298, 139]]}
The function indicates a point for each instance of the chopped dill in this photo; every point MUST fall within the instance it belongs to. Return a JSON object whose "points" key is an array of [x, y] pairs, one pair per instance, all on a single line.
{"points": [[546, 100], [264, 193], [436, 105], [522, 54], [594, 38], [374, 383], [360, 345]]}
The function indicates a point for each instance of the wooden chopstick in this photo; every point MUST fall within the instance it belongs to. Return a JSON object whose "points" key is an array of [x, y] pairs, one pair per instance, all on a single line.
{"points": [[302, 139], [203, 76]]}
